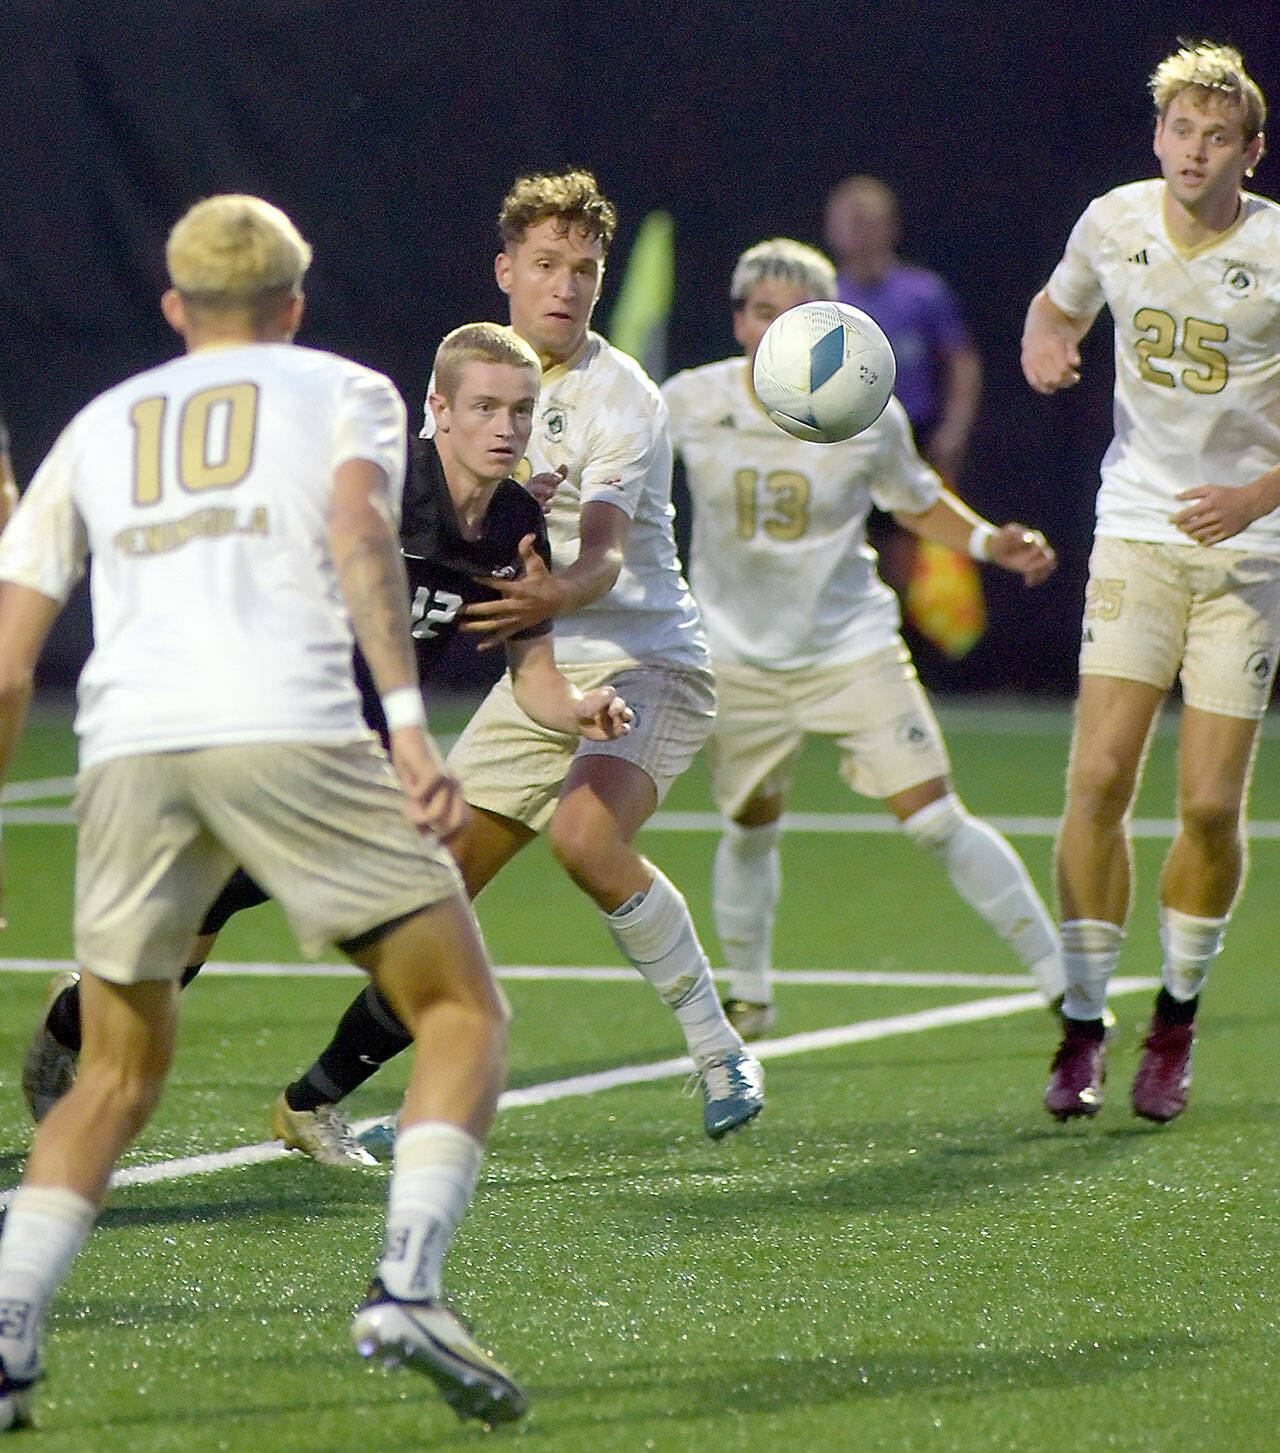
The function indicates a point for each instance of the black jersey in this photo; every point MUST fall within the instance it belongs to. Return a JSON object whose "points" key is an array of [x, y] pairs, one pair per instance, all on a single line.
{"points": [[443, 568]]}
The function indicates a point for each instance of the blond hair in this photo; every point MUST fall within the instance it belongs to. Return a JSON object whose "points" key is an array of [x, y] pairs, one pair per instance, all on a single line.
{"points": [[1217, 70], [787, 260], [573, 199], [235, 251], [479, 343]]}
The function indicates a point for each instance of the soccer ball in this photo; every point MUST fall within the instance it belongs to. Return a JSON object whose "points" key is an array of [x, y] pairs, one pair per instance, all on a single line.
{"points": [[823, 371]]}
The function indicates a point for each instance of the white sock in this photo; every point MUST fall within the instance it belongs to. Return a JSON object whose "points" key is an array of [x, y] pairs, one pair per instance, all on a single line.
{"points": [[1190, 946], [436, 1166], [44, 1228], [992, 879], [657, 936], [746, 885], [1090, 952]]}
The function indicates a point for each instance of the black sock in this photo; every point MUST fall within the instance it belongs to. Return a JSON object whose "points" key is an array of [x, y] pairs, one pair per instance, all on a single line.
{"points": [[1175, 1011], [63, 1018], [367, 1036]]}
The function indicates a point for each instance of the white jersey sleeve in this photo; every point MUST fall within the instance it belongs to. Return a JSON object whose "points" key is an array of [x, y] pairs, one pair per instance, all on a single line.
{"points": [[1197, 357], [44, 545], [780, 563]]}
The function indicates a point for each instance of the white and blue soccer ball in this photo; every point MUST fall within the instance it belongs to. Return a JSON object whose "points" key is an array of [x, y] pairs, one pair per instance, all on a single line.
{"points": [[823, 371]]}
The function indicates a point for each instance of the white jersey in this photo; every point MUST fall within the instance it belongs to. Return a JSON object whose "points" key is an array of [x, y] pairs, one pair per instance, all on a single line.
{"points": [[781, 567], [601, 417], [202, 491], [1197, 356]]}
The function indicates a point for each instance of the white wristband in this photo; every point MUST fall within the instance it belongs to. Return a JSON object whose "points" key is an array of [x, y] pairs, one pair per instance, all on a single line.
{"points": [[980, 541], [403, 707]]}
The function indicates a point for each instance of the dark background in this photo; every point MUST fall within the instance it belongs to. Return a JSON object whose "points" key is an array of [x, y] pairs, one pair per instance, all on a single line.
{"points": [[391, 130]]}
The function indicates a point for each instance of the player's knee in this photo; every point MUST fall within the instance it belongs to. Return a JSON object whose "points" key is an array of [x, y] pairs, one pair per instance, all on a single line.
{"points": [[933, 827], [1101, 786], [1211, 822]]}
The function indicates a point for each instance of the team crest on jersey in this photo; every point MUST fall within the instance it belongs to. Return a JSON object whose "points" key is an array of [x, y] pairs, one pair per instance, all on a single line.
{"points": [[1240, 280], [554, 421], [1258, 667]]}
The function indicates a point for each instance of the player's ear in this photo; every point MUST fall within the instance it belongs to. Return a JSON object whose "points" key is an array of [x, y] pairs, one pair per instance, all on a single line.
{"points": [[174, 310], [502, 271], [439, 406]]}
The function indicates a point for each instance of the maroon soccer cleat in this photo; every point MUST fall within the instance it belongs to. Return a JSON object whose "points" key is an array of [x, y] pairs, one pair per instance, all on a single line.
{"points": [[1164, 1072], [1078, 1070]]}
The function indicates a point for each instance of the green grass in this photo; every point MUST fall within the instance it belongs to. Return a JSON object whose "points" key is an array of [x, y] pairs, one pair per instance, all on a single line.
{"points": [[903, 1253]]}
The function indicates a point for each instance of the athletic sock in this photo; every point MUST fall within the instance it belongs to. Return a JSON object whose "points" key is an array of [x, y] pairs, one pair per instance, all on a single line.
{"points": [[44, 1228], [434, 1178], [1175, 1011], [1190, 946], [367, 1036], [746, 885], [991, 877], [1090, 952], [655, 933]]}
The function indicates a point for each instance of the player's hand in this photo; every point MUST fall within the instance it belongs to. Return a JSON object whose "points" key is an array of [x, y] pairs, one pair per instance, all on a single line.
{"points": [[1215, 512], [1025, 552], [535, 595], [603, 716], [433, 797], [543, 486], [1050, 361]]}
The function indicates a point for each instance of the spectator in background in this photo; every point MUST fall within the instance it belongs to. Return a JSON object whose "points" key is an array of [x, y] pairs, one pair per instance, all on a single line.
{"points": [[939, 384]]}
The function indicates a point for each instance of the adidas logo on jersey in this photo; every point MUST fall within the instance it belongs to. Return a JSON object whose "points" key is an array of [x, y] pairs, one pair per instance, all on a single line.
{"points": [[1140, 257]]}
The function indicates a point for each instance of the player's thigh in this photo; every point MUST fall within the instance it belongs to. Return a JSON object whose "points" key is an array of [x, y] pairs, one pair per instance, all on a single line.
{"points": [[322, 828], [755, 738], [147, 868], [434, 954], [1215, 762], [673, 708], [1112, 725], [880, 718], [507, 764], [1233, 632]]}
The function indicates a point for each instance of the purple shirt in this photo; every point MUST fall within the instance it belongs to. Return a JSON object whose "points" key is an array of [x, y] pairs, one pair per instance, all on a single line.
{"points": [[921, 318]]}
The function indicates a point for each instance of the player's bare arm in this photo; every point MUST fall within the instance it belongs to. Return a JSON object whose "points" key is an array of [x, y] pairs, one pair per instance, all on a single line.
{"points": [[1014, 547], [1215, 512], [26, 618], [548, 697], [1051, 345], [366, 555], [538, 594]]}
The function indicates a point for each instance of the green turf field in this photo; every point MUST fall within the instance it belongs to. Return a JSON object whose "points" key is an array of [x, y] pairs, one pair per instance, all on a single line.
{"points": [[903, 1253]]}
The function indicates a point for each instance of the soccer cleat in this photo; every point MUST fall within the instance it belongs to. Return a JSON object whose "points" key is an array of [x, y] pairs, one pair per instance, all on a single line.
{"points": [[379, 1139], [732, 1091], [16, 1399], [1078, 1070], [49, 1068], [320, 1133], [752, 1021], [1164, 1072], [430, 1337]]}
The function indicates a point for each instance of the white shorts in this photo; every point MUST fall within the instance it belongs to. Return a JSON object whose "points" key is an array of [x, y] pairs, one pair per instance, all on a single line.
{"points": [[1200, 614], [320, 827], [511, 766], [874, 708]]}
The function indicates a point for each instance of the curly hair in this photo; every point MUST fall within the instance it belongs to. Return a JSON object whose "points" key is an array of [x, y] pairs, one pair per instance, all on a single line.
{"points": [[572, 198]]}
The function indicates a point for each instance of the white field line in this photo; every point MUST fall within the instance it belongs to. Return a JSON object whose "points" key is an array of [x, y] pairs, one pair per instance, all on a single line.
{"points": [[796, 822], [817, 1039]]}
